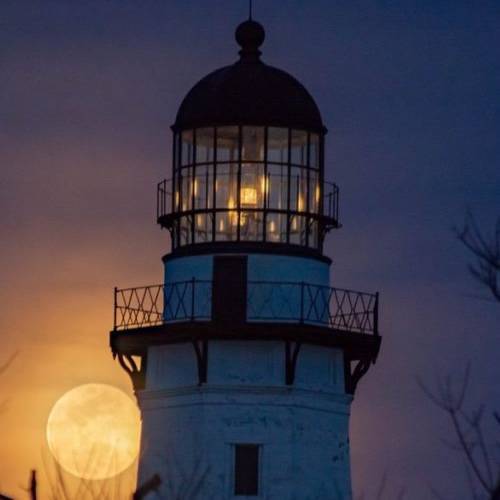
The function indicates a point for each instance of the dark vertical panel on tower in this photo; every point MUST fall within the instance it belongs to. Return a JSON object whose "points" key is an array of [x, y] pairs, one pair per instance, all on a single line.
{"points": [[229, 293], [246, 469]]}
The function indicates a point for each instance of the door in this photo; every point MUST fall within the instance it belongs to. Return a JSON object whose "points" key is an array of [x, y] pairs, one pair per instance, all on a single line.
{"points": [[229, 292]]}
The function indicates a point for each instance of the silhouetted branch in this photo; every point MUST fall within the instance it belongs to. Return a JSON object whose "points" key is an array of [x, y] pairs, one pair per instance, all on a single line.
{"points": [[468, 430], [486, 270], [65, 487], [3, 368], [436, 493], [33, 485], [150, 485], [8, 362], [402, 494], [381, 488], [382, 492]]}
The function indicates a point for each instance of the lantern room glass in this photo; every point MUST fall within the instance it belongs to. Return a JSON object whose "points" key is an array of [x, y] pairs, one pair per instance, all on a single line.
{"points": [[247, 183]]}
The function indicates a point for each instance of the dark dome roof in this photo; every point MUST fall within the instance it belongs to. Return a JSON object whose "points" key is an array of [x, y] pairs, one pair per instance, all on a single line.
{"points": [[249, 92]]}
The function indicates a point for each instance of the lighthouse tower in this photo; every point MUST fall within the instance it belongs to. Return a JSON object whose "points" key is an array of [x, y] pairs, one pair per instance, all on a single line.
{"points": [[245, 359]]}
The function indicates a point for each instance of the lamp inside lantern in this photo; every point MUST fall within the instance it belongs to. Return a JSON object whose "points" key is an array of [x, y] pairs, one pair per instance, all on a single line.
{"points": [[249, 196]]}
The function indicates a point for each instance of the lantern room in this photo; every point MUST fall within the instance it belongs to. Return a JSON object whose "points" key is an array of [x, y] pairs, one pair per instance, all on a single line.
{"points": [[248, 159]]}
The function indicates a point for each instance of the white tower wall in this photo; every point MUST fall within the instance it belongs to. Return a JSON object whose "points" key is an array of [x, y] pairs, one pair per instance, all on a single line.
{"points": [[189, 431]]}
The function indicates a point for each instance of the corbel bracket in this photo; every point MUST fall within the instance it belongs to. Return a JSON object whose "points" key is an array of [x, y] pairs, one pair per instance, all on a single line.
{"points": [[292, 350], [136, 374], [353, 375], [201, 351]]}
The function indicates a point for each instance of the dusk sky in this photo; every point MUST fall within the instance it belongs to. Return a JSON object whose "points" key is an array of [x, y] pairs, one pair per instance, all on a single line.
{"points": [[410, 93]]}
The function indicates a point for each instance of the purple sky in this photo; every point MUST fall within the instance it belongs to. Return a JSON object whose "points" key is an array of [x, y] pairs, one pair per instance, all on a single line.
{"points": [[410, 93]]}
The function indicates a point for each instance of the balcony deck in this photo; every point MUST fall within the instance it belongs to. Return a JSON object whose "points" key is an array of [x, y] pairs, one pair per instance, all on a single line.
{"points": [[267, 301], [178, 311]]}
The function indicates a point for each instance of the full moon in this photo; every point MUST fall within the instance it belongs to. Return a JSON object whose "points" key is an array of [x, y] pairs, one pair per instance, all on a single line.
{"points": [[93, 431]]}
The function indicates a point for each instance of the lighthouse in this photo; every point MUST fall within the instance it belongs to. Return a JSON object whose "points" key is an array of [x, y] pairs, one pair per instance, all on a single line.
{"points": [[245, 358]]}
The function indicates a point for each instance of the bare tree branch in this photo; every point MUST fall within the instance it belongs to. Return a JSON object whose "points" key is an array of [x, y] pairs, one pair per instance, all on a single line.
{"points": [[468, 431], [381, 488], [486, 269], [8, 362]]}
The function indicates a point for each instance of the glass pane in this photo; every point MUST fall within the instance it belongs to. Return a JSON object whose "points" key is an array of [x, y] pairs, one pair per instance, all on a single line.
{"points": [[226, 186], [253, 143], [298, 147], [187, 147], [185, 180], [276, 227], [204, 145], [277, 177], [251, 226], [313, 234], [226, 224], [253, 186], [185, 231], [314, 150], [298, 189], [203, 187], [177, 192], [227, 144], [297, 230], [202, 228], [177, 150], [314, 192], [277, 144]]}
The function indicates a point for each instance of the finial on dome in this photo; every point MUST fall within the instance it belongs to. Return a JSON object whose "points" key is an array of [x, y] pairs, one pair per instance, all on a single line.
{"points": [[250, 36]]}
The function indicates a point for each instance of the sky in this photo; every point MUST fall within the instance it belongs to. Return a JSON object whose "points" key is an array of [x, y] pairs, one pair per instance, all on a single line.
{"points": [[410, 94]]}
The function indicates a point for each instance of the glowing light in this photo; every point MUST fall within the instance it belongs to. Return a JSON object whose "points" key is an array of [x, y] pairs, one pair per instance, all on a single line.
{"points": [[301, 203], [264, 185], [249, 196], [272, 226], [93, 431], [233, 215]]}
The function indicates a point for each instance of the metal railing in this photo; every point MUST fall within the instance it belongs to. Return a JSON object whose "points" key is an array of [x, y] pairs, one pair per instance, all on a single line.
{"points": [[164, 201], [267, 301], [312, 304], [164, 198], [157, 304], [331, 196]]}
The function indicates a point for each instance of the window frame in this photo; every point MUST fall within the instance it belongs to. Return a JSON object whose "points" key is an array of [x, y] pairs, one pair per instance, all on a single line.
{"points": [[311, 179]]}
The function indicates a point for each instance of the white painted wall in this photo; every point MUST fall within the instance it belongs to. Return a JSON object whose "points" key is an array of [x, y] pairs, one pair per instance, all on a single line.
{"points": [[268, 267], [189, 431], [266, 301]]}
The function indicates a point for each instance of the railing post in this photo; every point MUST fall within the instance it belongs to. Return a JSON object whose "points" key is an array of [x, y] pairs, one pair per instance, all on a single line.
{"points": [[158, 201], [375, 316], [337, 202], [192, 298], [114, 308], [302, 302]]}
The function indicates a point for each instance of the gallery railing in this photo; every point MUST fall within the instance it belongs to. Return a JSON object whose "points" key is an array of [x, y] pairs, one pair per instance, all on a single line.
{"points": [[165, 206], [156, 304], [267, 301], [312, 304]]}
